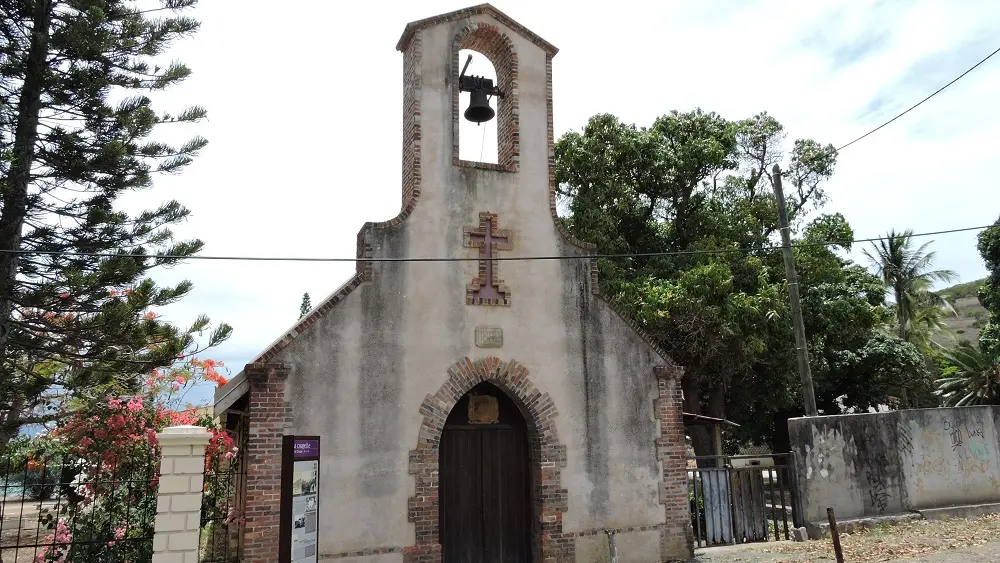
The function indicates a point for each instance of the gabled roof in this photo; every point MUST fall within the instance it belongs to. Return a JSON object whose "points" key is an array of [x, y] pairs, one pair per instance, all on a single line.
{"points": [[413, 27]]}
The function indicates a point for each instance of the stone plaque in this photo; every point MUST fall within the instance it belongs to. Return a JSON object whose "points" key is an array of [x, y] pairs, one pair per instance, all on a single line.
{"points": [[489, 337], [483, 409]]}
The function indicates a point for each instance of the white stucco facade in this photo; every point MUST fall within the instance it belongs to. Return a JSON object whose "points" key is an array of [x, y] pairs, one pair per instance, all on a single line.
{"points": [[361, 366]]}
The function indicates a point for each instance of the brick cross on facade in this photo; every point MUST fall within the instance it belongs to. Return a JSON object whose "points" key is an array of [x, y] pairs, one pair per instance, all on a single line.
{"points": [[487, 288]]}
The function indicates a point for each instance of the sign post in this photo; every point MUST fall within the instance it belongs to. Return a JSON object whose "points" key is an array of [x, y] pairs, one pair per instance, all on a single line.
{"points": [[299, 499]]}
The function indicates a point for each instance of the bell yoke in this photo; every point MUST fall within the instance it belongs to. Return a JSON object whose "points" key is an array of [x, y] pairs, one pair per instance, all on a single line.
{"points": [[480, 89]]}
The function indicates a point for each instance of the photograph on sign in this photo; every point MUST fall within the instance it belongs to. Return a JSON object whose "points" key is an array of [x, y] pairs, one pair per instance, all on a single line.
{"points": [[304, 478], [305, 517]]}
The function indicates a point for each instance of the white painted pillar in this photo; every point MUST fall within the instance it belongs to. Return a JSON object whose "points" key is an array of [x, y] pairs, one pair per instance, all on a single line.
{"points": [[178, 504]]}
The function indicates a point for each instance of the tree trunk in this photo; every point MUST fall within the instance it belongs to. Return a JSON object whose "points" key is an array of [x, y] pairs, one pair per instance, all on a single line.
{"points": [[15, 186], [905, 337], [10, 425], [702, 437]]}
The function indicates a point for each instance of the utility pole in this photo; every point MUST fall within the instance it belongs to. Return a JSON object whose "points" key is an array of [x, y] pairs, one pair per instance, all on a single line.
{"points": [[801, 348]]}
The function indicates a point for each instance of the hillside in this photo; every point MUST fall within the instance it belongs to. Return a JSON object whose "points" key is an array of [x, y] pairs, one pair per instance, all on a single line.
{"points": [[971, 315]]}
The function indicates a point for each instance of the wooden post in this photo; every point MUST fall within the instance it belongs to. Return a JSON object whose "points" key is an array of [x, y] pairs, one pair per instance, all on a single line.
{"points": [[839, 553], [801, 345]]}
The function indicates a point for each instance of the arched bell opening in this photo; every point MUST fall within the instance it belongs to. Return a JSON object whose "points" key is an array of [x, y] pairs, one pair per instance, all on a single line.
{"points": [[477, 124], [494, 70], [486, 480]]}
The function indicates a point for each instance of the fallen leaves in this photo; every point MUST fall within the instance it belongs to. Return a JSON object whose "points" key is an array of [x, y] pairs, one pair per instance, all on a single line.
{"points": [[913, 538]]}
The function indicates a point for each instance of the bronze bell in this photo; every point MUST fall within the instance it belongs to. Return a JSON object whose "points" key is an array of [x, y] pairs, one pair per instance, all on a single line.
{"points": [[479, 107]]}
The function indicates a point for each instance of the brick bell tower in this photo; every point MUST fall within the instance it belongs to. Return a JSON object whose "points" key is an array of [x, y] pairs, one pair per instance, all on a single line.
{"points": [[502, 206]]}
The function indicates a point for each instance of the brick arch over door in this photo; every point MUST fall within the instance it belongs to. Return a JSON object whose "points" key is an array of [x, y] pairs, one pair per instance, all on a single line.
{"points": [[487, 39], [548, 457]]}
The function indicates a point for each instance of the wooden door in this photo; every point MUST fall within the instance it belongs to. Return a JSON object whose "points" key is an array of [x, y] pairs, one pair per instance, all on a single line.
{"points": [[484, 492]]}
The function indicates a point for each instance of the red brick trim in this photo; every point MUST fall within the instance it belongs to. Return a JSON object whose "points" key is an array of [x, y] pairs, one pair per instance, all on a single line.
{"points": [[269, 416], [641, 332], [499, 49], [549, 498], [412, 61], [595, 286], [482, 9], [303, 324], [412, 137], [488, 223], [676, 537]]}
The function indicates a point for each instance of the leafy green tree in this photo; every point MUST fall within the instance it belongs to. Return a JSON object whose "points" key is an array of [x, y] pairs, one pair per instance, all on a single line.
{"points": [[75, 135], [306, 305], [695, 181], [989, 293]]}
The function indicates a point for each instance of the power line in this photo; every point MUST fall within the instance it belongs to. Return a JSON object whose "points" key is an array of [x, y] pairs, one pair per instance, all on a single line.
{"points": [[939, 90], [476, 259]]}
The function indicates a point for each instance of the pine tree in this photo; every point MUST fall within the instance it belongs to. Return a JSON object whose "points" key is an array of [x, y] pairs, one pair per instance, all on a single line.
{"points": [[75, 135], [306, 305]]}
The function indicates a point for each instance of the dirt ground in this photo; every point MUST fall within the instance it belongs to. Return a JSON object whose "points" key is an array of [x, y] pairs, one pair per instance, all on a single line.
{"points": [[973, 540], [20, 526]]}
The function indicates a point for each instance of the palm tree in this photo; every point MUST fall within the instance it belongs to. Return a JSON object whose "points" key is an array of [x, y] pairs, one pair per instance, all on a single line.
{"points": [[927, 312], [974, 381], [908, 274]]}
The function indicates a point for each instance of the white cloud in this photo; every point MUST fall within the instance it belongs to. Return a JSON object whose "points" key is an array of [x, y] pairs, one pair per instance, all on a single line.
{"points": [[305, 120]]}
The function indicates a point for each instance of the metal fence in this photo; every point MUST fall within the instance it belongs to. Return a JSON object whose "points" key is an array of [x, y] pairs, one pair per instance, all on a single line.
{"points": [[60, 508], [222, 516], [741, 499]]}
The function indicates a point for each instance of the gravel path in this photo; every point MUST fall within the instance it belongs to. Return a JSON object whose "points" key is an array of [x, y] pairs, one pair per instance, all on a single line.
{"points": [[988, 553], [972, 540]]}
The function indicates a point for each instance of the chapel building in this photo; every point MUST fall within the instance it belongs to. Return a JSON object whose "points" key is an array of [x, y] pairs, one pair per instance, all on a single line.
{"points": [[473, 411]]}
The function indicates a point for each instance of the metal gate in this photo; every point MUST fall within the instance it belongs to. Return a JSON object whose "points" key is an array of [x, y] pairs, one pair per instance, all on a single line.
{"points": [[222, 518], [741, 499]]}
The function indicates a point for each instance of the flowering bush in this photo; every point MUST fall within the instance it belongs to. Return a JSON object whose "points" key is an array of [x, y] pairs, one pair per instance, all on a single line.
{"points": [[110, 451]]}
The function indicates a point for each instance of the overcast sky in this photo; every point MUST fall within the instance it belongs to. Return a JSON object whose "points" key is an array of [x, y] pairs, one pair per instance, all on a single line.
{"points": [[305, 113]]}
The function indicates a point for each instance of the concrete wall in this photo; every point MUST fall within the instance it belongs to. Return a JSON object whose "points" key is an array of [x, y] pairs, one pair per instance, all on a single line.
{"points": [[359, 373], [886, 463]]}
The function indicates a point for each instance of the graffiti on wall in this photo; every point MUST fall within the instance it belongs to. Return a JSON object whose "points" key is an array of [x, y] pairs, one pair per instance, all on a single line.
{"points": [[968, 441], [877, 476]]}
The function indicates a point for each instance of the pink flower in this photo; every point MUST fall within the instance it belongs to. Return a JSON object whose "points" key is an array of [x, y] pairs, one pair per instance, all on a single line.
{"points": [[119, 532], [179, 380], [135, 404], [57, 539], [115, 403], [150, 315], [175, 387], [116, 421]]}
